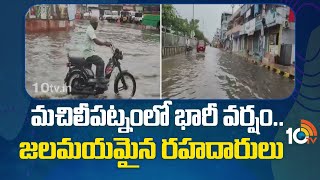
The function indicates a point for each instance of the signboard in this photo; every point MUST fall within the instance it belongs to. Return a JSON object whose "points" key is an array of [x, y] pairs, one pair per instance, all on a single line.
{"points": [[128, 7], [250, 27], [43, 11], [139, 8], [276, 16], [271, 17], [93, 5]]}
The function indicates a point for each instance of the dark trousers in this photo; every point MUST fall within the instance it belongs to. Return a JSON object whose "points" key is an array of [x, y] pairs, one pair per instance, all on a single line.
{"points": [[187, 48], [99, 63]]}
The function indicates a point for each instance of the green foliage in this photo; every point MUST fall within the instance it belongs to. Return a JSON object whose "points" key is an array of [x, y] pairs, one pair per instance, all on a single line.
{"points": [[180, 26], [168, 15]]}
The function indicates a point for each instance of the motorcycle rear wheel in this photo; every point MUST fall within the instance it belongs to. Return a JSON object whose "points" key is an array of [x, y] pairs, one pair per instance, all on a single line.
{"points": [[75, 83], [128, 84]]}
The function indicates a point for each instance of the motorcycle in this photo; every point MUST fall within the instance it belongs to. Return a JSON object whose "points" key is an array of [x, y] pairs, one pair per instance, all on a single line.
{"points": [[188, 49], [80, 77]]}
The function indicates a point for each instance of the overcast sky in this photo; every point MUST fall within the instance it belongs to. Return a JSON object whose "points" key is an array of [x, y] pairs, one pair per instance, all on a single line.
{"points": [[209, 15]]}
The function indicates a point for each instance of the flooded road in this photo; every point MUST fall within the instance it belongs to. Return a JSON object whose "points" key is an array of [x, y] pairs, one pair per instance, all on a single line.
{"points": [[46, 58], [220, 75]]}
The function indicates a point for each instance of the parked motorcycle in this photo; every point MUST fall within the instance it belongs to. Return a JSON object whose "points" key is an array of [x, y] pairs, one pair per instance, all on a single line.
{"points": [[80, 77]]}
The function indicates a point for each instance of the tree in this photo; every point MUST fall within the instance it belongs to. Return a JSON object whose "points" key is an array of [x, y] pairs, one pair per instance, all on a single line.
{"points": [[181, 26], [168, 15], [194, 24], [170, 19]]}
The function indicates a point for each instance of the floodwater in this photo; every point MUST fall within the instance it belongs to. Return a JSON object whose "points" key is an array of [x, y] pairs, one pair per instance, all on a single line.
{"points": [[216, 74], [46, 58]]}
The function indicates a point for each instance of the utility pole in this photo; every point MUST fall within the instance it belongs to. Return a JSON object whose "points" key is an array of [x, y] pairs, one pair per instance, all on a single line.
{"points": [[193, 11], [193, 32], [193, 16]]}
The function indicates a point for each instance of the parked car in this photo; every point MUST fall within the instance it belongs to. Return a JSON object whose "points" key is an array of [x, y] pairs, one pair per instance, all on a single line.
{"points": [[115, 16], [138, 18], [201, 46], [107, 15], [131, 16]]}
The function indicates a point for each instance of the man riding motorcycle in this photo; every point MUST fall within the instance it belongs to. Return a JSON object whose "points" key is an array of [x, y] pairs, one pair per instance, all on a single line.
{"points": [[187, 46], [89, 52]]}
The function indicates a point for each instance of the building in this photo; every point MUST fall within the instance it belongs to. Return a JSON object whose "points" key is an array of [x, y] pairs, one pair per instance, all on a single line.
{"points": [[233, 33], [151, 9], [216, 38], [224, 27], [46, 17], [217, 34], [111, 7], [265, 31]]}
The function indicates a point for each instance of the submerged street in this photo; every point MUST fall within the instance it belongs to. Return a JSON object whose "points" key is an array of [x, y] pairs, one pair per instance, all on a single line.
{"points": [[220, 75], [46, 58]]}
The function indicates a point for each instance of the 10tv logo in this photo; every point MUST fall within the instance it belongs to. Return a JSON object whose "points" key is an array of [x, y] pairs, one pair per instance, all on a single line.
{"points": [[306, 133]]}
